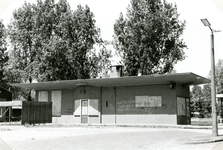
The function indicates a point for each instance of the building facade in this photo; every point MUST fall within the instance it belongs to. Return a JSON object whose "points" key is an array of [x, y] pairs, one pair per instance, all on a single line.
{"points": [[156, 99]]}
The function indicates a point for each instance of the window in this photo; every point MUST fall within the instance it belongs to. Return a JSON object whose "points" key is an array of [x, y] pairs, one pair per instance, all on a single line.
{"points": [[106, 105], [43, 96]]}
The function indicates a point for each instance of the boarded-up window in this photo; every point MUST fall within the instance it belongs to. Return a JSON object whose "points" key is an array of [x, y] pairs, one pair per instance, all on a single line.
{"points": [[148, 101], [56, 106], [93, 109], [77, 108], [181, 106], [43, 96]]}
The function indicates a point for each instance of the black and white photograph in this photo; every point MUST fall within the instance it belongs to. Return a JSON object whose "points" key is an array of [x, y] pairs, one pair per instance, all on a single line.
{"points": [[111, 75]]}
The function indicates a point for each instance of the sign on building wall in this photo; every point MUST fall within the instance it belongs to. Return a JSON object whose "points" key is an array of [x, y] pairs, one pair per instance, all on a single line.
{"points": [[43, 96], [56, 106], [148, 101]]}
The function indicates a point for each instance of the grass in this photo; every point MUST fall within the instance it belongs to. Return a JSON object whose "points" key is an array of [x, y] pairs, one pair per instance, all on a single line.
{"points": [[201, 121]]}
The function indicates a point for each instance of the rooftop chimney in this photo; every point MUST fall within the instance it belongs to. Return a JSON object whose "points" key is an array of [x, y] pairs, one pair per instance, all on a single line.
{"points": [[116, 71]]}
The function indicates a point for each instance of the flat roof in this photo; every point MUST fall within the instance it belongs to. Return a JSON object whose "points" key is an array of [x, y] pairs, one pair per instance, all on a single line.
{"points": [[181, 78]]}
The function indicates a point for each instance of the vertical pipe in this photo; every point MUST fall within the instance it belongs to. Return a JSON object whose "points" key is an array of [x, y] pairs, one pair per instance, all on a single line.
{"points": [[9, 114], [101, 105], [213, 90], [115, 103]]}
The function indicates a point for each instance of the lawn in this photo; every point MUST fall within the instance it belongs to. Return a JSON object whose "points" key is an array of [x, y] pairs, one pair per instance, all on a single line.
{"points": [[201, 121]]}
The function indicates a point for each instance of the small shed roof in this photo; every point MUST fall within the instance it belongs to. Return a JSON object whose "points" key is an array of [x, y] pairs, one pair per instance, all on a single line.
{"points": [[1, 88], [13, 104], [182, 78]]}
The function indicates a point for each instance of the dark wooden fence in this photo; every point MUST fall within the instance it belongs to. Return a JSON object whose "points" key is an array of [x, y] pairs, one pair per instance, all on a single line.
{"points": [[36, 112]]}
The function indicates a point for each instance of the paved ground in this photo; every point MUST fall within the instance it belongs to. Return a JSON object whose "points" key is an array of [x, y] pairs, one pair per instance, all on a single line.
{"points": [[105, 138]]}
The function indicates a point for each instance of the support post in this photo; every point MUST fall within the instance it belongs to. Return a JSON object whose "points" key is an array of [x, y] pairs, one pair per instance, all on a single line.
{"points": [[213, 90]]}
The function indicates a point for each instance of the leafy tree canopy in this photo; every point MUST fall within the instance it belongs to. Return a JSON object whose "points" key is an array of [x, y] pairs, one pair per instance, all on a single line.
{"points": [[3, 56], [200, 101], [219, 76], [148, 38], [50, 42]]}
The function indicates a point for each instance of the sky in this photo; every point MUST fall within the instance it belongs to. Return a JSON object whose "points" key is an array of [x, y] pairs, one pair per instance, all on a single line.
{"points": [[196, 36]]}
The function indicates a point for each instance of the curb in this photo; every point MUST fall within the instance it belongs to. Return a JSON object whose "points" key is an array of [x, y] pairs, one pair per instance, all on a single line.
{"points": [[124, 125], [112, 125], [203, 140]]}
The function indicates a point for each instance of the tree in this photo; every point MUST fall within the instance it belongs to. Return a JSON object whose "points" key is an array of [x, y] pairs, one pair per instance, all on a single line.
{"points": [[204, 95], [50, 42], [219, 76], [3, 56], [197, 101], [67, 40], [21, 34], [207, 97], [218, 82], [21, 37], [148, 39]]}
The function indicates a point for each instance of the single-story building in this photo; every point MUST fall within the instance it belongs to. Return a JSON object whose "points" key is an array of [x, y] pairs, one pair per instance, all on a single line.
{"points": [[150, 99]]}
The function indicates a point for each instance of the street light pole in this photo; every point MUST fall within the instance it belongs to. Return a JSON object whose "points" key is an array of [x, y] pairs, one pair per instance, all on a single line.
{"points": [[213, 89]]}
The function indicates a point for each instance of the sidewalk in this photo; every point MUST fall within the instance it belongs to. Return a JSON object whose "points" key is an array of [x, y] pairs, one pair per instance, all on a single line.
{"points": [[4, 146]]}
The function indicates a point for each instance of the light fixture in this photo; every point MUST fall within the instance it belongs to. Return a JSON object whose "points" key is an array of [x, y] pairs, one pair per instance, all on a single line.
{"points": [[171, 85], [205, 22]]}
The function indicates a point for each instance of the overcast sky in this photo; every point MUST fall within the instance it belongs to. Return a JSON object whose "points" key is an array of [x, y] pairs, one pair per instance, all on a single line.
{"points": [[196, 35]]}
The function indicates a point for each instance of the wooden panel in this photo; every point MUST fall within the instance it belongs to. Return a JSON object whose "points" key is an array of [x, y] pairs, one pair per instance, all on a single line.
{"points": [[181, 106], [93, 107], [56, 106], [94, 103], [36, 112]]}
